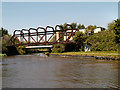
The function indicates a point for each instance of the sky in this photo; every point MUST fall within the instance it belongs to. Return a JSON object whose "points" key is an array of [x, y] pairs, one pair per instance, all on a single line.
{"points": [[19, 15]]}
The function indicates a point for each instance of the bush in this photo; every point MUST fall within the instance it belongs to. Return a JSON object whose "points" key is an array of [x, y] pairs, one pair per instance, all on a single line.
{"points": [[102, 41], [20, 50], [58, 48], [117, 30], [79, 39], [4, 31], [5, 40]]}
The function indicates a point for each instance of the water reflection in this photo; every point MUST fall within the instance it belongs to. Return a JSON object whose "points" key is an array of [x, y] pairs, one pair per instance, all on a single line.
{"points": [[58, 72]]}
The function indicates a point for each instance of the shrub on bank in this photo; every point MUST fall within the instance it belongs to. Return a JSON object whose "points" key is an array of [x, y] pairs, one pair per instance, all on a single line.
{"points": [[21, 50], [58, 48], [79, 39], [103, 41], [5, 40]]}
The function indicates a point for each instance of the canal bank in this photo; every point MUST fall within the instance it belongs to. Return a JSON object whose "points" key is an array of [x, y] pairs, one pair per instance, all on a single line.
{"points": [[2, 55], [96, 55]]}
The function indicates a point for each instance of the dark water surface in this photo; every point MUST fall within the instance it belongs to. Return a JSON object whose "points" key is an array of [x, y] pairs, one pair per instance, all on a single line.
{"points": [[33, 71]]}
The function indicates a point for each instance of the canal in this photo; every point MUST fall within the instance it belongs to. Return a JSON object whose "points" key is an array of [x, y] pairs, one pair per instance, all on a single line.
{"points": [[32, 71]]}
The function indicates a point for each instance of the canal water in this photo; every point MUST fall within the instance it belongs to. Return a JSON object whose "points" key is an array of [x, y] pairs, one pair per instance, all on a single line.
{"points": [[33, 71]]}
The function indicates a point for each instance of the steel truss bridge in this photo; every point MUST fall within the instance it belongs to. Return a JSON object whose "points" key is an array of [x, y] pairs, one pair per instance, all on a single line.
{"points": [[43, 36]]}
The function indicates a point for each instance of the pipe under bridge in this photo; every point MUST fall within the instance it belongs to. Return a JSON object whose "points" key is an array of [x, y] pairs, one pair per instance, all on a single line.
{"points": [[43, 36]]}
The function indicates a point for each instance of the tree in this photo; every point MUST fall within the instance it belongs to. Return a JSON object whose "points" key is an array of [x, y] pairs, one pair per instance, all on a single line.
{"points": [[62, 27], [5, 38], [74, 25], [90, 29], [82, 26], [4, 31], [79, 39], [111, 26], [58, 48], [79, 26], [102, 41], [117, 30]]}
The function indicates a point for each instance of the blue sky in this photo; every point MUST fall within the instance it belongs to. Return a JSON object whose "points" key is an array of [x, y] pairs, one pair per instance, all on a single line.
{"points": [[19, 15]]}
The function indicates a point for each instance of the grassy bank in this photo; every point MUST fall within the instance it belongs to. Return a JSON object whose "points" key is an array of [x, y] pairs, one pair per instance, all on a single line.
{"points": [[2, 55], [95, 53]]}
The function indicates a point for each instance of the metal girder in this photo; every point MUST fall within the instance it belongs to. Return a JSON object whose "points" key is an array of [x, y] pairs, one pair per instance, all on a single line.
{"points": [[41, 34]]}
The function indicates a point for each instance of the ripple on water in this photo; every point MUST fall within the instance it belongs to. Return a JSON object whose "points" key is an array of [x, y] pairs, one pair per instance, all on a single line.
{"points": [[34, 71]]}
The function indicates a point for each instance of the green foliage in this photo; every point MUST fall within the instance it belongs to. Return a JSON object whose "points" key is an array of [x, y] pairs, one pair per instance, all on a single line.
{"points": [[111, 25], [5, 40], [90, 28], [79, 39], [46, 53], [102, 41], [1, 55], [117, 30], [58, 48], [80, 26], [74, 25], [20, 50], [4, 48], [4, 31], [62, 27]]}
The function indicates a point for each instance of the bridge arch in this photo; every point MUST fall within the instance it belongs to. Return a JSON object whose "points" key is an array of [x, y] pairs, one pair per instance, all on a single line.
{"points": [[57, 27], [40, 34], [35, 35], [16, 36], [31, 34], [59, 33], [50, 33], [14, 33], [69, 26], [25, 34]]}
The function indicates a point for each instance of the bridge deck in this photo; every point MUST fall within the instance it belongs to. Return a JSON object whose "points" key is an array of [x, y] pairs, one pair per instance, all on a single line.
{"points": [[41, 46]]}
